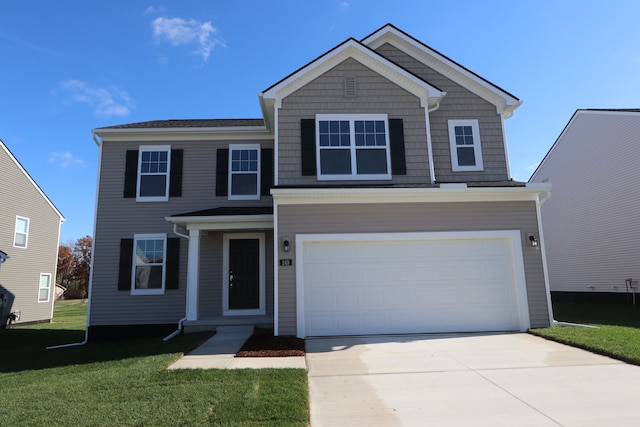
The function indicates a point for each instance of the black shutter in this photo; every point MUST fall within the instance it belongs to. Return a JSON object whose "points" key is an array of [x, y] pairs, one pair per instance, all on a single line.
{"points": [[396, 138], [308, 146], [172, 278], [222, 172], [126, 263], [266, 171], [175, 175], [131, 173]]}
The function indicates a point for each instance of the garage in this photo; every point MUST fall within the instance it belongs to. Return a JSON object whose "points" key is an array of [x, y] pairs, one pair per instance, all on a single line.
{"points": [[395, 283]]}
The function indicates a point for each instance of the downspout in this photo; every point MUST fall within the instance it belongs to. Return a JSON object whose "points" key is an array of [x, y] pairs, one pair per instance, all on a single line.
{"points": [[428, 111], [181, 321]]}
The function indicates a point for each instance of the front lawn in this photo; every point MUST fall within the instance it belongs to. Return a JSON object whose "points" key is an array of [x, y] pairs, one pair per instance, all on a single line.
{"points": [[617, 335], [125, 382]]}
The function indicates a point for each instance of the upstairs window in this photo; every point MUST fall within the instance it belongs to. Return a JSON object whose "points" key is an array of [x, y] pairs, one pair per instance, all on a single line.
{"points": [[149, 264], [21, 232], [464, 141], [244, 172], [353, 147], [153, 173]]}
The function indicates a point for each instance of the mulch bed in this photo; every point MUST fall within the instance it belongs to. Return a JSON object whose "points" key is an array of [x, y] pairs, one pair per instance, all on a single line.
{"points": [[263, 344]]}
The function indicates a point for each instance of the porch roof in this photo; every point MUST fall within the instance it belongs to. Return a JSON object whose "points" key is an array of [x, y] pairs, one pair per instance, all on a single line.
{"points": [[226, 218]]}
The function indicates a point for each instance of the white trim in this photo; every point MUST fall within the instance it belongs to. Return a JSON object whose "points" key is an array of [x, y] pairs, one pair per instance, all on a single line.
{"points": [[297, 196], [477, 145], [353, 148], [261, 310], [248, 147], [512, 235], [25, 233], [276, 272], [224, 222], [193, 275], [41, 288], [190, 134], [145, 148], [154, 291]]}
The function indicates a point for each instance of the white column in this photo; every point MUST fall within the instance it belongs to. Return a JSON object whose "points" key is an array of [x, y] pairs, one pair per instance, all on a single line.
{"points": [[193, 273]]}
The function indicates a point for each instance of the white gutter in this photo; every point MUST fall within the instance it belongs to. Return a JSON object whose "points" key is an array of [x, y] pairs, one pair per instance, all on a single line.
{"points": [[181, 321]]}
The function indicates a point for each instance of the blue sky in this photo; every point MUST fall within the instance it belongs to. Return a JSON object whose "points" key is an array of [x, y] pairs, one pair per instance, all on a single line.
{"points": [[67, 67]]}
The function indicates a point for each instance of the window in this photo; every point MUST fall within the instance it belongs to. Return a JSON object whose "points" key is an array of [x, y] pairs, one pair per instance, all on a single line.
{"points": [[353, 147], [21, 232], [153, 177], [149, 264], [244, 172], [45, 287], [464, 140]]}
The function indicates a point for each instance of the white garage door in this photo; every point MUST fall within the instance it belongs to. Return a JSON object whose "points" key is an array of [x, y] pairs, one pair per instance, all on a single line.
{"points": [[354, 285]]}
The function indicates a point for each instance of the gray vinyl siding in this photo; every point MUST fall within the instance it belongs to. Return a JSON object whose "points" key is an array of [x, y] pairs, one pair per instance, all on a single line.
{"points": [[118, 218], [591, 226], [459, 103], [375, 94], [410, 217], [20, 274]]}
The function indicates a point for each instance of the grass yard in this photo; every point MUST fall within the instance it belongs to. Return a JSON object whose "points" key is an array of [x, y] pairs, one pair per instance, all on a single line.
{"points": [[125, 382], [617, 335]]}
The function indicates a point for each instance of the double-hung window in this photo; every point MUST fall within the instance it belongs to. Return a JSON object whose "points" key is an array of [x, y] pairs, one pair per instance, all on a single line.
{"points": [[154, 163], [353, 147], [149, 262], [244, 171], [21, 232], [464, 141], [44, 289]]}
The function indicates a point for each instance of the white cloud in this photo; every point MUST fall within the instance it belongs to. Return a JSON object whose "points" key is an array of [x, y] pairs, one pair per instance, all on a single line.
{"points": [[152, 10], [343, 5], [533, 166], [107, 102], [178, 32], [65, 160]]}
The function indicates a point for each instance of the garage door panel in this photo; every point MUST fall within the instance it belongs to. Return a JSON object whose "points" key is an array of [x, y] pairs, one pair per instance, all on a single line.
{"points": [[431, 285]]}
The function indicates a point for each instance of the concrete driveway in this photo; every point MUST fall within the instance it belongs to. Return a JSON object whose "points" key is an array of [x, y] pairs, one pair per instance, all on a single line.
{"points": [[467, 380]]}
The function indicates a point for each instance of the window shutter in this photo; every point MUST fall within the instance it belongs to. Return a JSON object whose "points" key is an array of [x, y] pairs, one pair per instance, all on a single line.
{"points": [[266, 170], [172, 279], [396, 138], [308, 146], [126, 263], [131, 173], [222, 172], [175, 175]]}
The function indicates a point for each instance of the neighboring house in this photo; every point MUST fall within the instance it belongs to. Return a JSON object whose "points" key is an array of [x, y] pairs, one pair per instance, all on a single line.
{"points": [[373, 196], [591, 222], [29, 234]]}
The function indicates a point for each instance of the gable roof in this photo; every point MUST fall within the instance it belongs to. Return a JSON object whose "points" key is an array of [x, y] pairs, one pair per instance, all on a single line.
{"points": [[189, 123], [505, 102], [429, 95], [31, 180]]}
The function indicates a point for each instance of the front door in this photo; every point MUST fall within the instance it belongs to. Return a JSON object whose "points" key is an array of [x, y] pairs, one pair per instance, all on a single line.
{"points": [[244, 274]]}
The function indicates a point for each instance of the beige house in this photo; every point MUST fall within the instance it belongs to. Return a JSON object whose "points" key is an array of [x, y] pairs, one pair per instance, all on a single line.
{"points": [[372, 197], [29, 234]]}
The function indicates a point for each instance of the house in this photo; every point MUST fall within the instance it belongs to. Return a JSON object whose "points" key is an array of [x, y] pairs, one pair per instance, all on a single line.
{"points": [[591, 223], [29, 234], [372, 197]]}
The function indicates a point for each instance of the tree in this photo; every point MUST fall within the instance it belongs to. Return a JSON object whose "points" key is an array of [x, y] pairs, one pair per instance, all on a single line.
{"points": [[82, 253], [74, 267], [66, 265]]}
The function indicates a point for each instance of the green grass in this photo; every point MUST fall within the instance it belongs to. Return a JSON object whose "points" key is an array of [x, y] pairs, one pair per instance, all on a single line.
{"points": [[617, 335], [125, 382]]}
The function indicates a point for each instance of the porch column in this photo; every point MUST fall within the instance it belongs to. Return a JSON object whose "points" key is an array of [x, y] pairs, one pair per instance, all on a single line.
{"points": [[193, 273]]}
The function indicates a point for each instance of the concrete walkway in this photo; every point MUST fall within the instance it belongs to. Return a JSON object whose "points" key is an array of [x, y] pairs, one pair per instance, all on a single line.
{"points": [[467, 380], [219, 353]]}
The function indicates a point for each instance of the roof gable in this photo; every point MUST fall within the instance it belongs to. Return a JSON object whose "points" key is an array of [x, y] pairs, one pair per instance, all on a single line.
{"points": [[505, 102], [26, 174]]}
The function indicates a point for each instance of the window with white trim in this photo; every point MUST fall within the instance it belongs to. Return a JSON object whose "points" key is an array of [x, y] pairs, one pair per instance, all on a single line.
{"points": [[149, 264], [44, 289], [244, 172], [21, 232], [352, 147], [154, 163], [464, 141]]}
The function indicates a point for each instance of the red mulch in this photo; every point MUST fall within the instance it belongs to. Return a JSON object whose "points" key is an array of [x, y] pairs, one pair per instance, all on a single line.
{"points": [[263, 344]]}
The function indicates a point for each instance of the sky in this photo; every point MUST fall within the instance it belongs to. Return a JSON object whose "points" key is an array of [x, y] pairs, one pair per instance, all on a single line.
{"points": [[69, 66]]}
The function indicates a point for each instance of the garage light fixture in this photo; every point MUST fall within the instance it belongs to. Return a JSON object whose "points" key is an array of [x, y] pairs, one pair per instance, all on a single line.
{"points": [[533, 240], [285, 246]]}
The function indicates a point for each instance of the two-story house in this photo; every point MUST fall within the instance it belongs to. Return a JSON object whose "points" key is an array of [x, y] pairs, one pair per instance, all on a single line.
{"points": [[29, 234], [373, 196]]}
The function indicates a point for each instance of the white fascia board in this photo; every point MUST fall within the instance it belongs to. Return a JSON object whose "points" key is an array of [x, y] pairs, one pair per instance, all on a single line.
{"points": [[505, 103], [224, 222], [171, 134], [429, 95], [282, 196]]}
